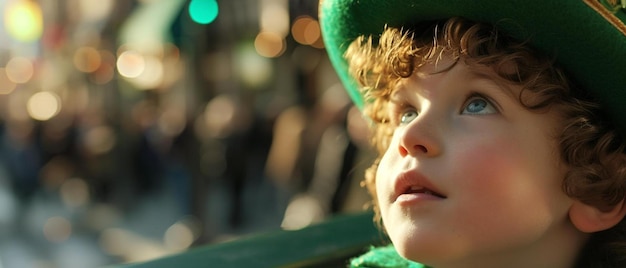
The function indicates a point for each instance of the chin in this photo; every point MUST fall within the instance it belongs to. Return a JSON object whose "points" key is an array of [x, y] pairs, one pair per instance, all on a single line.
{"points": [[420, 252], [424, 252]]}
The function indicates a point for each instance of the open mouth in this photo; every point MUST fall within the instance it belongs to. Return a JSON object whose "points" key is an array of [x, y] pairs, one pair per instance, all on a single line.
{"points": [[422, 190], [412, 185]]}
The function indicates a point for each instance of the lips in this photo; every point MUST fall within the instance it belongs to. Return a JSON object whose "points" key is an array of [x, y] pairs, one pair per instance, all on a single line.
{"points": [[422, 190], [412, 183]]}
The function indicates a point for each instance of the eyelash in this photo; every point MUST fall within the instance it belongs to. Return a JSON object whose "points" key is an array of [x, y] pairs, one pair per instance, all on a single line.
{"points": [[474, 95], [400, 109]]}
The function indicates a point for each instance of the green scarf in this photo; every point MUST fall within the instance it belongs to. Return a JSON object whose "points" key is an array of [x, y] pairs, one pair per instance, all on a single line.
{"points": [[383, 257]]}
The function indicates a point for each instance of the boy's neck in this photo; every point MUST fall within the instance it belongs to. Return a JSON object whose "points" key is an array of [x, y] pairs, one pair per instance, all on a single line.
{"points": [[560, 250]]}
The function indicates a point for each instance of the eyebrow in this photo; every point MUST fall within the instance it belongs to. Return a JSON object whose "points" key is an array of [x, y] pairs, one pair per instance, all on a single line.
{"points": [[399, 93], [500, 86], [496, 85]]}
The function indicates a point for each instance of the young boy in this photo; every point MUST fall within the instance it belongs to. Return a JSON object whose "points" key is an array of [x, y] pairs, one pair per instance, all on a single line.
{"points": [[499, 125]]}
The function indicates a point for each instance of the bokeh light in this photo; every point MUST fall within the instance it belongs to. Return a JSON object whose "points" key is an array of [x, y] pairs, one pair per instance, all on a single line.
{"points": [[106, 71], [99, 140], [275, 18], [269, 44], [306, 30], [57, 229], [203, 11], [116, 115], [87, 59], [152, 74], [219, 114], [20, 70], [131, 64], [43, 105], [253, 69], [23, 20], [75, 193]]}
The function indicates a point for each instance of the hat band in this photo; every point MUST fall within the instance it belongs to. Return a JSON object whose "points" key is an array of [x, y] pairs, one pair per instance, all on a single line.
{"points": [[609, 10]]}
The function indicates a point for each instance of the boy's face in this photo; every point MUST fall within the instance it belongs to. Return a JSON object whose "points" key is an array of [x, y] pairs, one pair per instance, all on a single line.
{"points": [[471, 176]]}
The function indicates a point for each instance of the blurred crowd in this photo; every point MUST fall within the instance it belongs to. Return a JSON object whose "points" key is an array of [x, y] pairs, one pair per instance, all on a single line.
{"points": [[131, 130]]}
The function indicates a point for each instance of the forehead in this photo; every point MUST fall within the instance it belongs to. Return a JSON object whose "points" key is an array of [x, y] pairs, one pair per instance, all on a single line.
{"points": [[461, 72]]}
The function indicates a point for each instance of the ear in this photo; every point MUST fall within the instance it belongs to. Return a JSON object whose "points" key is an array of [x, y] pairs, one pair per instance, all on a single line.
{"points": [[589, 219]]}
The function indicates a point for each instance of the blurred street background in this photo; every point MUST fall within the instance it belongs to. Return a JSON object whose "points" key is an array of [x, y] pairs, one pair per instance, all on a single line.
{"points": [[135, 129]]}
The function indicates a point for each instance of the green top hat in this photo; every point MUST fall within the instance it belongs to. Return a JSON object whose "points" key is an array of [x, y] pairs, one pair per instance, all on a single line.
{"points": [[587, 37]]}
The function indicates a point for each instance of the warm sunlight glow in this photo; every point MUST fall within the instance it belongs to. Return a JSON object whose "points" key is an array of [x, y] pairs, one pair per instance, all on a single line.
{"points": [[23, 20]]}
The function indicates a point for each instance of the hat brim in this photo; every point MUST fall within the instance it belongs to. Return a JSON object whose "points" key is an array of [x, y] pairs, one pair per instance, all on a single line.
{"points": [[587, 37]]}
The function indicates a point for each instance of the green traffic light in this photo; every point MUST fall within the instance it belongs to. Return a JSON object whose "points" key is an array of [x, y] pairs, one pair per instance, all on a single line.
{"points": [[203, 11]]}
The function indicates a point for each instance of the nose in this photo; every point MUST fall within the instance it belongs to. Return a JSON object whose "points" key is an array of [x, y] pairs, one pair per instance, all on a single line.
{"points": [[420, 138]]}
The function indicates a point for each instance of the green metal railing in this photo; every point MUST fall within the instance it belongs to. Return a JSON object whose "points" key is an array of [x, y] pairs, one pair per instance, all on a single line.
{"points": [[328, 244]]}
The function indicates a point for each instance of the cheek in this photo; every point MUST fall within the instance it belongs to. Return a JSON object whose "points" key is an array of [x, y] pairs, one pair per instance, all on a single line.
{"points": [[385, 171], [506, 160], [498, 180], [487, 172]]}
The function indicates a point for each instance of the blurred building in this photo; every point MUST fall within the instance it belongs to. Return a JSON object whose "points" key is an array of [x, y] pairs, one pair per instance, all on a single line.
{"points": [[135, 129]]}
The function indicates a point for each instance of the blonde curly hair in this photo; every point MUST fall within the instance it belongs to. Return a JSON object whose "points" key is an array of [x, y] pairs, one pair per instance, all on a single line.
{"points": [[589, 144]]}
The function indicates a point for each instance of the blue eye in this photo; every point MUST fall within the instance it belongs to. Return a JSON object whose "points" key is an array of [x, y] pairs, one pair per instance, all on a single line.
{"points": [[479, 105], [408, 116]]}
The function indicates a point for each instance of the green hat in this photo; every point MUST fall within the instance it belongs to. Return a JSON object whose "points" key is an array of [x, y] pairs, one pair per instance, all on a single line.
{"points": [[587, 37]]}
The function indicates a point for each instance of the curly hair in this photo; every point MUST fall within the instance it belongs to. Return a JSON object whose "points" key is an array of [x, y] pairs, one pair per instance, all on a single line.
{"points": [[594, 152]]}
